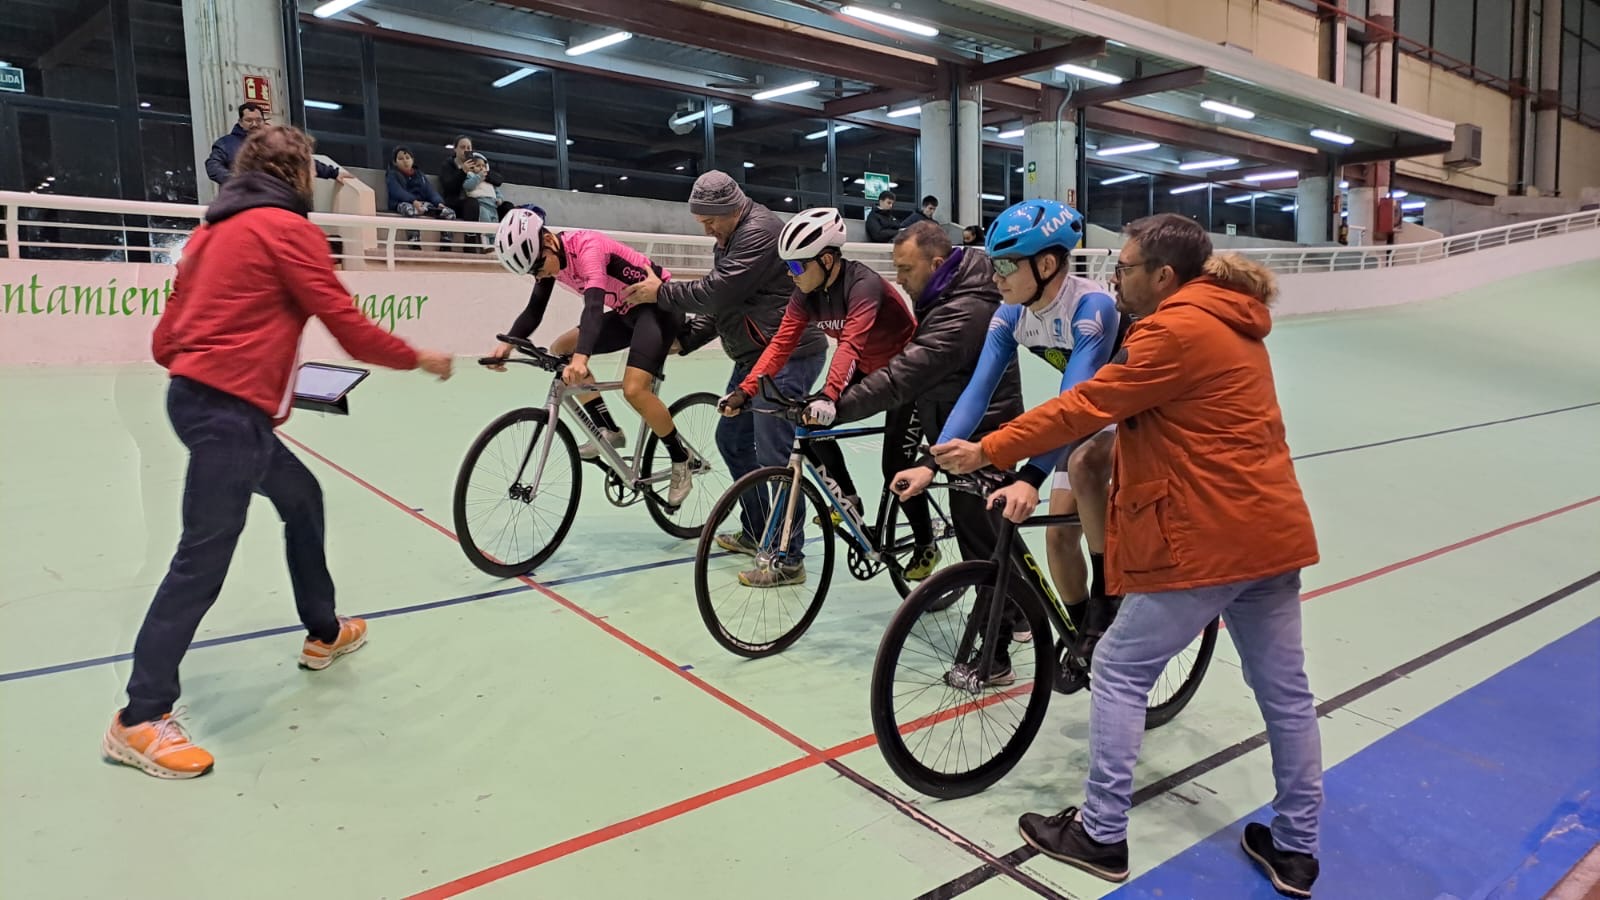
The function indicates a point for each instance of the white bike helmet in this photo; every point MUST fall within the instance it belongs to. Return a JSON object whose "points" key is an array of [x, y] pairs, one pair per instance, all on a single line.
{"points": [[810, 232], [516, 243]]}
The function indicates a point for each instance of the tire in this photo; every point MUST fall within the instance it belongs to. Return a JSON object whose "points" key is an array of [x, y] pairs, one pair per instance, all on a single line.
{"points": [[896, 747], [725, 627], [895, 530], [1158, 714], [709, 484], [518, 452]]}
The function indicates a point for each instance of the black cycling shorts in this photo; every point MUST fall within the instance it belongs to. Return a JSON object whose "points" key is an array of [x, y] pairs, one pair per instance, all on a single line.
{"points": [[645, 331]]}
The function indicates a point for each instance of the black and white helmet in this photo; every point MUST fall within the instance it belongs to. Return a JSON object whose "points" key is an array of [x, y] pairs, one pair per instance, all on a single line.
{"points": [[810, 232], [516, 243]]}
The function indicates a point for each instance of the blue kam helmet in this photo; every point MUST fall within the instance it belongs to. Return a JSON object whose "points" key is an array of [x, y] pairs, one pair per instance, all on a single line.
{"points": [[1033, 226]]}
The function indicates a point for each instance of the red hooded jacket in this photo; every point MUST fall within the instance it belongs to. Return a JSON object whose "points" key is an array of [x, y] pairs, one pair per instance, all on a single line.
{"points": [[250, 278]]}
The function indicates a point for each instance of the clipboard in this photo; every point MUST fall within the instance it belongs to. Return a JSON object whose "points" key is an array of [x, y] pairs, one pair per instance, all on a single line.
{"points": [[323, 387]]}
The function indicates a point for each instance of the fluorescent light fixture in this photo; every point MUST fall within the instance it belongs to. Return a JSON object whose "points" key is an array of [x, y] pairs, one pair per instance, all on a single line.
{"points": [[892, 184], [1131, 176], [599, 43], [700, 114], [1290, 208], [995, 197], [1332, 137], [599, 187], [795, 88], [323, 104], [1127, 148], [824, 132], [1013, 133], [1415, 204], [514, 77], [622, 178], [1272, 176], [145, 104], [749, 165], [1344, 185], [1019, 170], [678, 169], [525, 135], [1189, 188], [1209, 164], [333, 8], [1398, 194], [908, 111], [888, 21], [1091, 74], [1227, 109], [50, 178], [788, 199], [1243, 197]]}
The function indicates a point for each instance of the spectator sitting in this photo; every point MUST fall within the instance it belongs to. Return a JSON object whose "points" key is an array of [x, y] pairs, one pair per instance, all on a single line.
{"points": [[411, 194], [972, 236], [453, 185], [219, 165], [882, 224], [930, 205]]}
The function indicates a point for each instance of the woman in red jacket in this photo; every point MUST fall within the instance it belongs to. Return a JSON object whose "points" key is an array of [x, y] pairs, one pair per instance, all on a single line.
{"points": [[250, 278]]}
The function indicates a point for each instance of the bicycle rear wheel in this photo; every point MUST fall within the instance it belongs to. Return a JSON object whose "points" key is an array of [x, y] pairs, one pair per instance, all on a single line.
{"points": [[943, 740], [506, 523], [1181, 678], [695, 416], [900, 540]]}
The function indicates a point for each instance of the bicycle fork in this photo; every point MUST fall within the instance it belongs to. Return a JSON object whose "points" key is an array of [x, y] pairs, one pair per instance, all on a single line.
{"points": [[989, 612]]}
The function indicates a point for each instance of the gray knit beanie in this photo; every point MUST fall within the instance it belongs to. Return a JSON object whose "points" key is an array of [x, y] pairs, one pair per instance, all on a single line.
{"points": [[715, 194]]}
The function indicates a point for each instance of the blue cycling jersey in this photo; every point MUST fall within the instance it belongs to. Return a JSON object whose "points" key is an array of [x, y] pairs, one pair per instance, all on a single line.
{"points": [[1076, 332]]}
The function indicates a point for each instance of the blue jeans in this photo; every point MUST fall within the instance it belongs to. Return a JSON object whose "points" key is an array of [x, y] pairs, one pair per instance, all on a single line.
{"points": [[750, 441], [1263, 619], [233, 454]]}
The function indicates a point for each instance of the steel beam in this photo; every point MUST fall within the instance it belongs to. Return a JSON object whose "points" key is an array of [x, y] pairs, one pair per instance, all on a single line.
{"points": [[1138, 87], [1037, 60]]}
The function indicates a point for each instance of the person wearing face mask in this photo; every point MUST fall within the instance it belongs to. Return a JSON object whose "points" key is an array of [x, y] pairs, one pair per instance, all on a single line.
{"points": [[250, 278]]}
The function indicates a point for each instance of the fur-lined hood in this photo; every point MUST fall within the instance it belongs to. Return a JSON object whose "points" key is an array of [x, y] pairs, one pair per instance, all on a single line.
{"points": [[1235, 290]]}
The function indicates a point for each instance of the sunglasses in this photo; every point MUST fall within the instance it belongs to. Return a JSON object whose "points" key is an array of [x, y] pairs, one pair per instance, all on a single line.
{"points": [[797, 267], [1005, 268]]}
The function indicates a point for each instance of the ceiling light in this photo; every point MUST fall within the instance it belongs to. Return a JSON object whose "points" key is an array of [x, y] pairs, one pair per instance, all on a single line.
{"points": [[1398, 194], [788, 199], [599, 43], [696, 116], [997, 198], [1243, 197], [749, 165], [1019, 170], [1290, 208], [1121, 178], [323, 104], [622, 178], [1013, 133], [333, 8], [1238, 112], [50, 178], [1091, 74], [514, 77], [824, 132], [908, 111], [1126, 148], [786, 89], [678, 169], [892, 184], [1344, 185], [1272, 176], [1415, 204], [1209, 164], [1189, 188], [526, 135], [1333, 137], [872, 15], [599, 187], [144, 104]]}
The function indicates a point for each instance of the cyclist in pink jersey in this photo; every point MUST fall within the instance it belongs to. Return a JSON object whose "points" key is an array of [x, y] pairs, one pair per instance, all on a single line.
{"points": [[600, 269]]}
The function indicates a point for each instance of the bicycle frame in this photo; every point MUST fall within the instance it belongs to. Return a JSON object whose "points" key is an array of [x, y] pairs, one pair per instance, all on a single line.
{"points": [[848, 516]]}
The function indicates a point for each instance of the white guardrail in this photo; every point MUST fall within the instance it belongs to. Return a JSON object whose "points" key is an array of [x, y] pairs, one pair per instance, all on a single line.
{"points": [[42, 226]]}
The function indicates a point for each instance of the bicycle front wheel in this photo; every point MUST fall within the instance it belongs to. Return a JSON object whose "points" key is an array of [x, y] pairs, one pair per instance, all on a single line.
{"points": [[756, 594], [695, 417], [507, 522], [945, 736]]}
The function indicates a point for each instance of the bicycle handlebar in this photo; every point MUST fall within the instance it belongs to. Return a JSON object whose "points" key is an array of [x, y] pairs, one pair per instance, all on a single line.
{"points": [[542, 358]]}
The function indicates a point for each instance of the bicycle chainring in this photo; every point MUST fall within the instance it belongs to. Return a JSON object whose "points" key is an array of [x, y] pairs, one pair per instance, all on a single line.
{"points": [[1072, 675], [618, 493], [861, 566]]}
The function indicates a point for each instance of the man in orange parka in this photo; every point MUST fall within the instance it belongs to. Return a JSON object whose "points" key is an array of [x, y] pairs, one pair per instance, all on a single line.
{"points": [[1206, 518]]}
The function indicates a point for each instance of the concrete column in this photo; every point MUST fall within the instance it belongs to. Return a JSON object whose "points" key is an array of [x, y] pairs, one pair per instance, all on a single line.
{"points": [[228, 40], [968, 204], [1377, 80], [1547, 115], [1051, 148], [1363, 213], [935, 150], [1312, 210]]}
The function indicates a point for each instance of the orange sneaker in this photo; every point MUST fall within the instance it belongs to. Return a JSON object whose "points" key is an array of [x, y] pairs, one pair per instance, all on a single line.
{"points": [[352, 635], [160, 748]]}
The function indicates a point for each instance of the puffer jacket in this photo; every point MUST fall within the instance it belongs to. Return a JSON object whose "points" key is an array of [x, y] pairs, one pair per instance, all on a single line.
{"points": [[953, 315], [1203, 492], [745, 292]]}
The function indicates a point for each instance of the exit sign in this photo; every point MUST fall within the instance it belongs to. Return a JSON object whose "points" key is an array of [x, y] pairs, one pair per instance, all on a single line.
{"points": [[11, 79]]}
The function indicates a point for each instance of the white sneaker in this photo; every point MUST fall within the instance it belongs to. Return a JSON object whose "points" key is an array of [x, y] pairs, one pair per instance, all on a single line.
{"points": [[678, 488], [616, 439]]}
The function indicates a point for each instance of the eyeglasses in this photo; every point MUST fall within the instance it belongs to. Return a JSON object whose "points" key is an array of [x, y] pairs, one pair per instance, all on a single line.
{"points": [[1005, 268], [1117, 269]]}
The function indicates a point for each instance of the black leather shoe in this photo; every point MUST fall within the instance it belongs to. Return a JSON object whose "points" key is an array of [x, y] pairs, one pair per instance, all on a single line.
{"points": [[1291, 873], [1062, 837]]}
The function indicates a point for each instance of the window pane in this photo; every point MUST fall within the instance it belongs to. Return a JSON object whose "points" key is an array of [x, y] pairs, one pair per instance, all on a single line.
{"points": [[1493, 51], [1235, 213], [884, 151], [1571, 12], [1413, 19], [63, 54], [1591, 22], [788, 170], [1569, 70], [1112, 206], [654, 137], [1190, 203], [1589, 92], [1275, 217], [65, 154], [1452, 31], [1000, 179], [158, 55], [1352, 66], [332, 64], [169, 174]]}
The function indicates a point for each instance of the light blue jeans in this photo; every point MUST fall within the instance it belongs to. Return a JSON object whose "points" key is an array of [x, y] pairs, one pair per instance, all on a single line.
{"points": [[1263, 618]]}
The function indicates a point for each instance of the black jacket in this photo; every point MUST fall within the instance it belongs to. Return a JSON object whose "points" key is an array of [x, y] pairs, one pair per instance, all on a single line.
{"points": [[219, 165], [882, 225], [744, 294], [952, 321]]}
